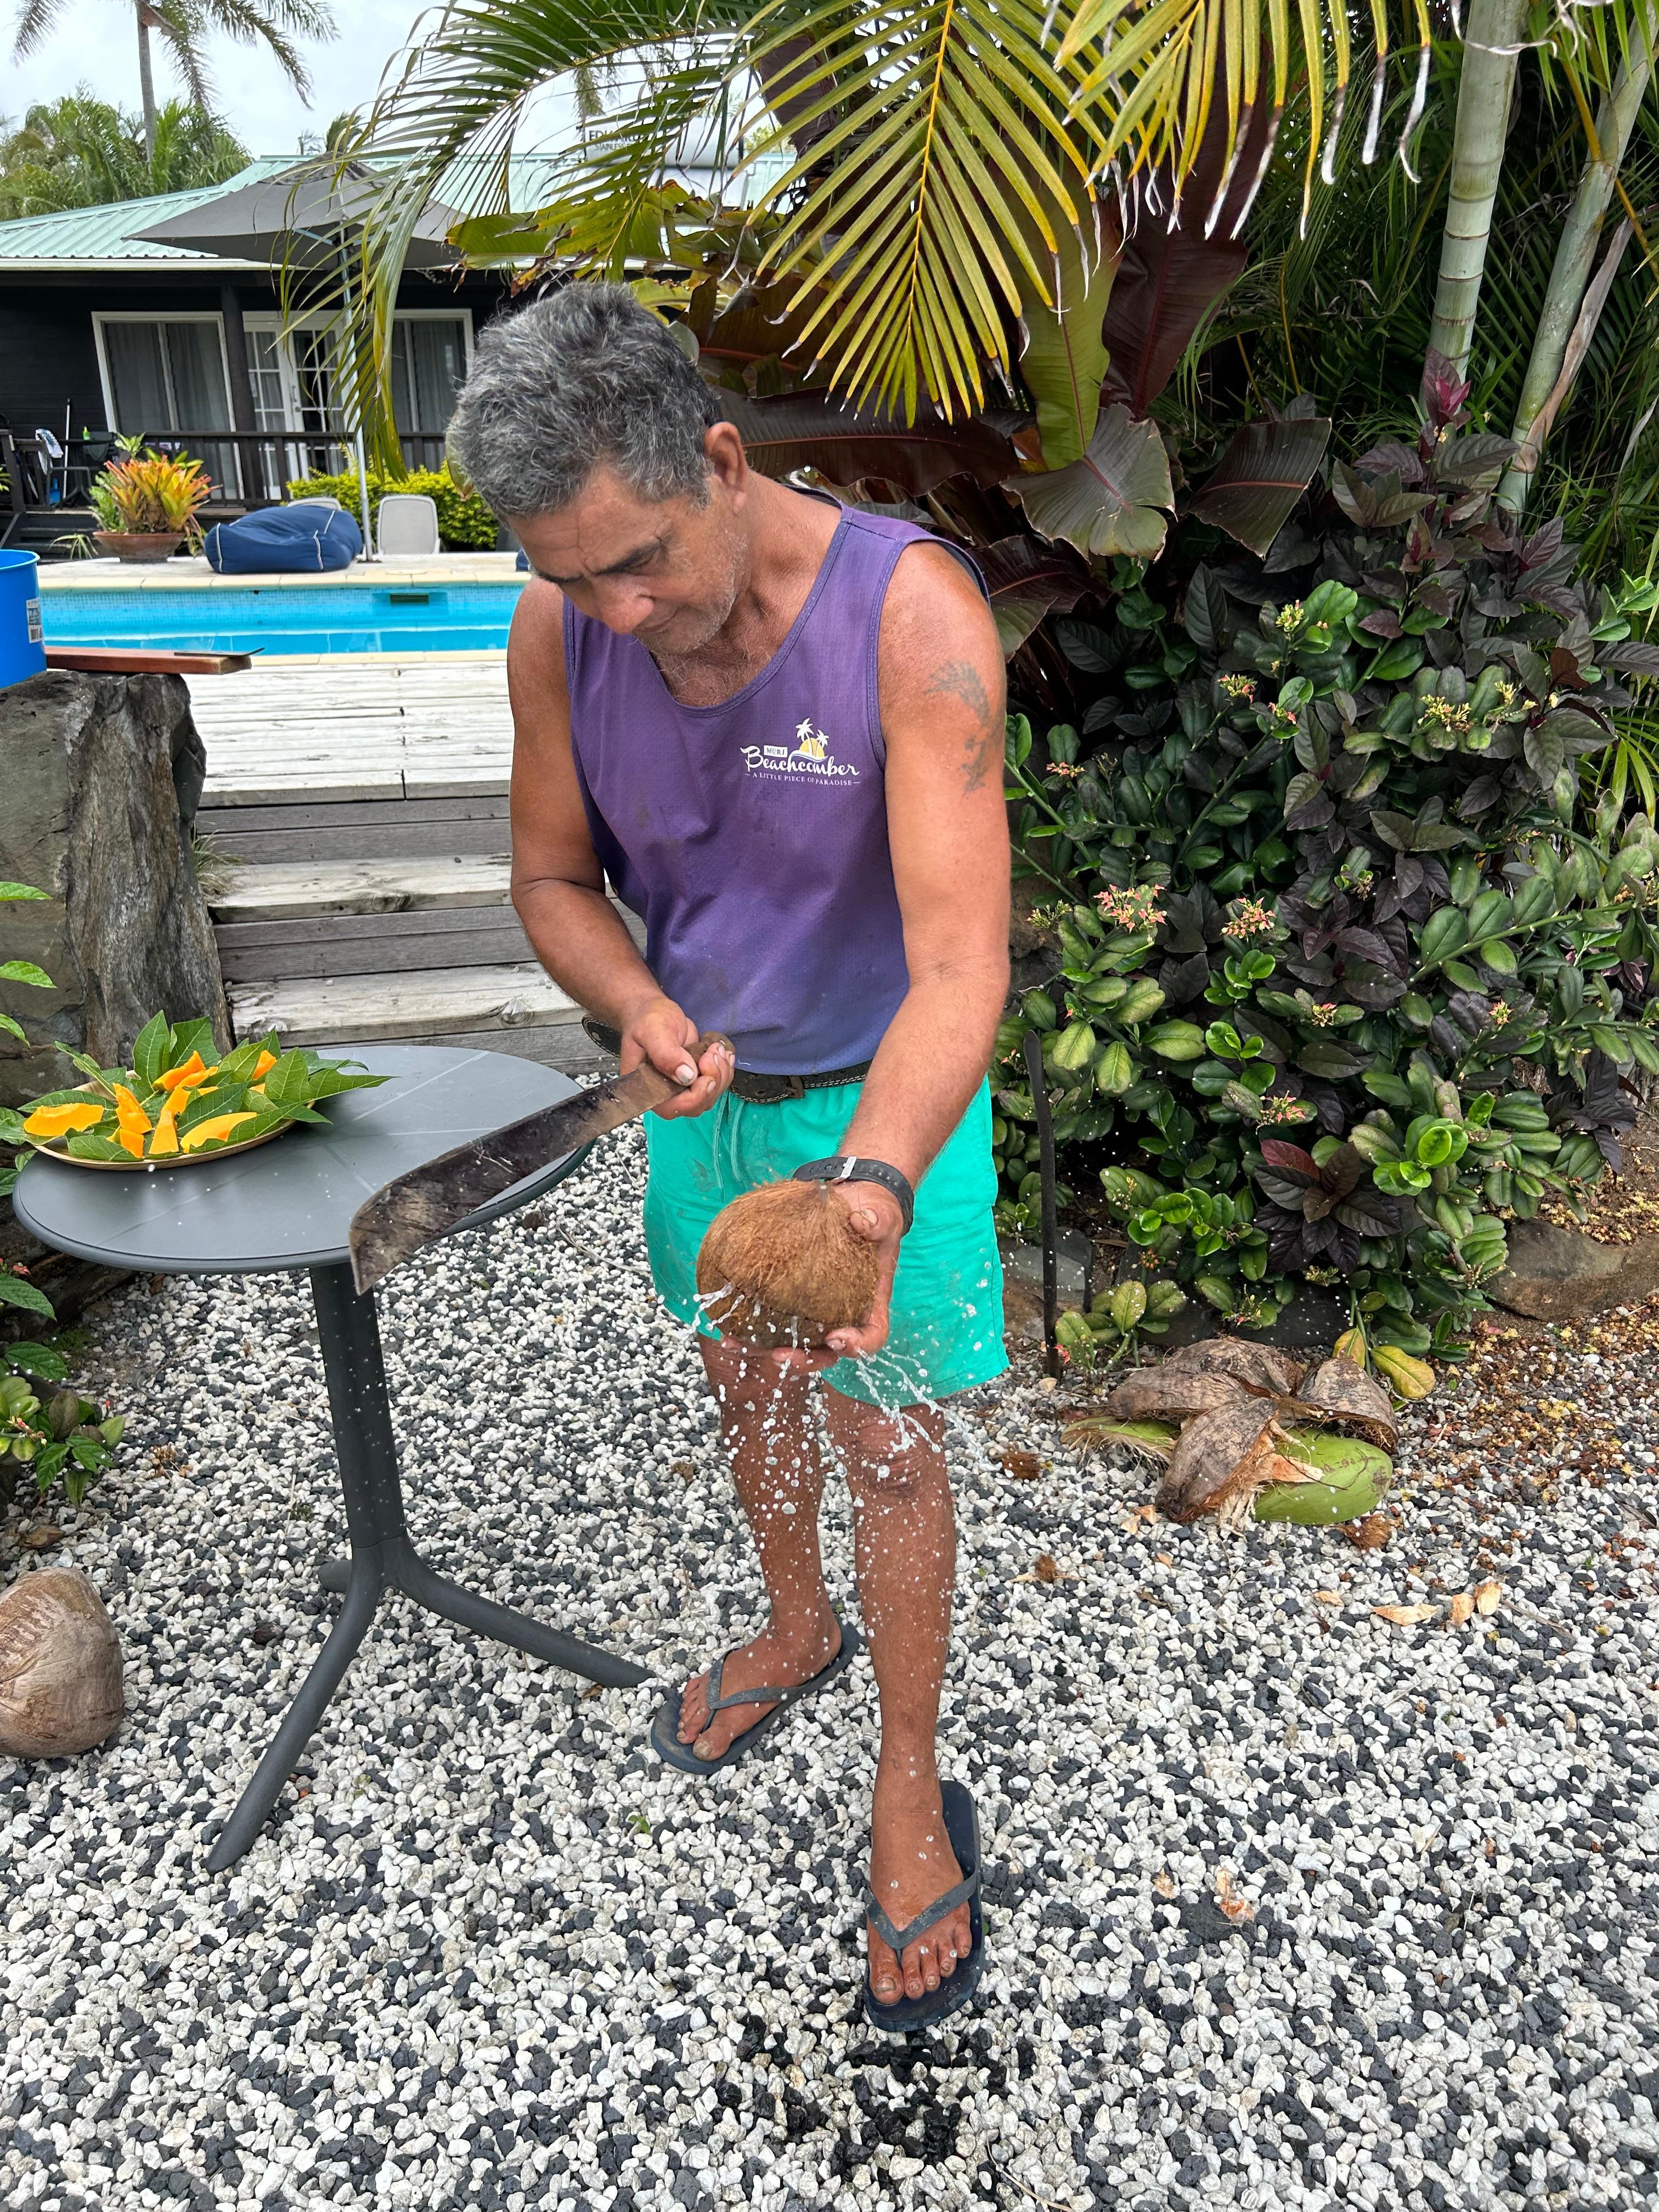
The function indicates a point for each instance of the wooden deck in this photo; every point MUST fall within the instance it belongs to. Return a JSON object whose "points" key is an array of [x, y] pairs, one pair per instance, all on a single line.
{"points": [[356, 727], [355, 810]]}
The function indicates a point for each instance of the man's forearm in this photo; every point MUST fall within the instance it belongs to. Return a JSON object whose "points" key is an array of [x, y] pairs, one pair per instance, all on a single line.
{"points": [[583, 943], [931, 1062]]}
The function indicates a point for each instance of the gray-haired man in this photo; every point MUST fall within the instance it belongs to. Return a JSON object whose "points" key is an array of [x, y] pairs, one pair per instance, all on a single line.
{"points": [[776, 727]]}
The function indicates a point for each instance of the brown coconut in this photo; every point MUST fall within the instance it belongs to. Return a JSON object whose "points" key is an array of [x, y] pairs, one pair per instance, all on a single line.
{"points": [[780, 1266], [60, 1665]]}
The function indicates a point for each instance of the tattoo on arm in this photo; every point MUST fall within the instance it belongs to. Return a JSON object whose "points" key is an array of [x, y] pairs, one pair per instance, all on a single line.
{"points": [[982, 750]]}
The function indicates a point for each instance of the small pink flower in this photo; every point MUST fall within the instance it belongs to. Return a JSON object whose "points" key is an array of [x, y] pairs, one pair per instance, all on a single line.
{"points": [[1134, 907], [1250, 918]]}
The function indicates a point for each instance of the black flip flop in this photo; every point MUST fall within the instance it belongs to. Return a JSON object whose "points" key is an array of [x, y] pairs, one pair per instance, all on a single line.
{"points": [[665, 1730], [911, 2015]]}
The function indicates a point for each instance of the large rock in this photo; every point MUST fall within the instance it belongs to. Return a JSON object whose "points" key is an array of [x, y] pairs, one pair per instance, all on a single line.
{"points": [[102, 774], [1554, 1274]]}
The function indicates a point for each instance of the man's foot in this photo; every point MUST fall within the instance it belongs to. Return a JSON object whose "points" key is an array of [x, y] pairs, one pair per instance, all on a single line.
{"points": [[911, 1864], [772, 1660]]}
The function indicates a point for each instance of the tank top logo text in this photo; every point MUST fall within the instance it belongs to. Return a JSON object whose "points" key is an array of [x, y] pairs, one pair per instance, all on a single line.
{"points": [[809, 755]]}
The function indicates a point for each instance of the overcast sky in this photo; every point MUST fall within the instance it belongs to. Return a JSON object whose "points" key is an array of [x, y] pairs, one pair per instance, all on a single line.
{"points": [[98, 47]]}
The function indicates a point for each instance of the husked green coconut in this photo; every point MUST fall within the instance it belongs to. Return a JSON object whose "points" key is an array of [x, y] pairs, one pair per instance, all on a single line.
{"points": [[781, 1266]]}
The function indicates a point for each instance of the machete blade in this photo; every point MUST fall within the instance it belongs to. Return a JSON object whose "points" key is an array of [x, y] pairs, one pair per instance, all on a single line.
{"points": [[414, 1209]]}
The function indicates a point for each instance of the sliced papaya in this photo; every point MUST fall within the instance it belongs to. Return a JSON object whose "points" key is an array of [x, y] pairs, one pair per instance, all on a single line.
{"points": [[215, 1131], [164, 1143], [187, 1071], [48, 1121]]}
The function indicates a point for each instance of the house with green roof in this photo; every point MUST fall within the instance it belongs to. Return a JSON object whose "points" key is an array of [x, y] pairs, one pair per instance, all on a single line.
{"points": [[102, 330]]}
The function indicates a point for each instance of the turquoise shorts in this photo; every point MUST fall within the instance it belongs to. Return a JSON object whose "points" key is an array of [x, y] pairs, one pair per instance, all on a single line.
{"points": [[946, 1323]]}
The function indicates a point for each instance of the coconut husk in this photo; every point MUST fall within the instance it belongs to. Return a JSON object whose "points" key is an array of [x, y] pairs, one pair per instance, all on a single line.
{"points": [[781, 1266], [60, 1665], [1346, 1397], [1261, 1367], [1166, 1393], [1223, 1459]]}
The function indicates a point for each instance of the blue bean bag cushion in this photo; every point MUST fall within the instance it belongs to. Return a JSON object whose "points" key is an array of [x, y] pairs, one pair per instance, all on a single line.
{"points": [[284, 541]]}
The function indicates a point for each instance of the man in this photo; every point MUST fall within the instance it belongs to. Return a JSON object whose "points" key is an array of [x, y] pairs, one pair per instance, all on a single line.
{"points": [[776, 727]]}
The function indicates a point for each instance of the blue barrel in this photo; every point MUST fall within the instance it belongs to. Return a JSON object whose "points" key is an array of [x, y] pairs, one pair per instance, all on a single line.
{"points": [[23, 649]]}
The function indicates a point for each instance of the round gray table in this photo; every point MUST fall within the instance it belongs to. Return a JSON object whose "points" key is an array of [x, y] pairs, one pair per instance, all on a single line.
{"points": [[287, 1204]]}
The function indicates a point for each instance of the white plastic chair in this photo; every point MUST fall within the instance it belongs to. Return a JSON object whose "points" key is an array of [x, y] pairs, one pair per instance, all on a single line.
{"points": [[406, 526]]}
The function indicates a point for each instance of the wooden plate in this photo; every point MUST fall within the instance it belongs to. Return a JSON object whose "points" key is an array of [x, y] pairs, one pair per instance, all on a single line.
{"points": [[49, 1146]]}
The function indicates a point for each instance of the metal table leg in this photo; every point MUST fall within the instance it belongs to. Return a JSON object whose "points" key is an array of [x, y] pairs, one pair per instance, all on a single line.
{"points": [[382, 1557]]}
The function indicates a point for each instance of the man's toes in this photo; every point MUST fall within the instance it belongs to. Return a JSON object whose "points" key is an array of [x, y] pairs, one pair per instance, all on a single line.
{"points": [[884, 1976], [694, 1709]]}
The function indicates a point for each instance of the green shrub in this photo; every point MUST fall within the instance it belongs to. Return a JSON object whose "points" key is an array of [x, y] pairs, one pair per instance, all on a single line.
{"points": [[464, 523], [1344, 977]]}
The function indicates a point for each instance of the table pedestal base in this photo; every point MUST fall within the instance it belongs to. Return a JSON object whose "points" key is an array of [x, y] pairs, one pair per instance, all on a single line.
{"points": [[382, 1557]]}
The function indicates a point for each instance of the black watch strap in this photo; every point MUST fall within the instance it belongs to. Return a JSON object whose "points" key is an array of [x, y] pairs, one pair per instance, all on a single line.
{"points": [[845, 1169]]}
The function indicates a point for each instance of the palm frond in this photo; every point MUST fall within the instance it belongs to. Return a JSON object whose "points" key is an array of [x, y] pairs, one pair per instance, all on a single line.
{"points": [[936, 165]]}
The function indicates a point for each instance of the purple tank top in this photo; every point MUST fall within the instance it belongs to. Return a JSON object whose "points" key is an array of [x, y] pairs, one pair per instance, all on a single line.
{"points": [[751, 837]]}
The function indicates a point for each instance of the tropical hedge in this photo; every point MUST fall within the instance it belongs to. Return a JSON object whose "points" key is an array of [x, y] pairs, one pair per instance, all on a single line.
{"points": [[1348, 965], [466, 525]]}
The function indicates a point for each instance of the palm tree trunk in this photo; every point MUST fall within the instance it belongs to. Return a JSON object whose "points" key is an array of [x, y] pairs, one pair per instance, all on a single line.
{"points": [[1483, 119], [146, 87], [1574, 258]]}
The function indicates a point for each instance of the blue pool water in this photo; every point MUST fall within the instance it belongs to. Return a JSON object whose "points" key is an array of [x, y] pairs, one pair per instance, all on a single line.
{"points": [[322, 618]]}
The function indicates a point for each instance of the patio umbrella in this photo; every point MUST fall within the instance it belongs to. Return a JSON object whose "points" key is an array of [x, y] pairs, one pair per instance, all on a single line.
{"points": [[305, 217], [302, 215]]}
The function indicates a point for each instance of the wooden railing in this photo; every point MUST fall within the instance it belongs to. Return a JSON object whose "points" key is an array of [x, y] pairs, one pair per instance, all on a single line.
{"points": [[254, 467]]}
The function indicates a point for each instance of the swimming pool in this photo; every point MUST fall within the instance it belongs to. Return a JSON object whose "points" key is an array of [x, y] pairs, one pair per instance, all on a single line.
{"points": [[232, 617]]}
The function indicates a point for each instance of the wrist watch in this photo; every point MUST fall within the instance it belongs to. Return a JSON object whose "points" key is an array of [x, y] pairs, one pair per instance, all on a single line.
{"points": [[844, 1168]]}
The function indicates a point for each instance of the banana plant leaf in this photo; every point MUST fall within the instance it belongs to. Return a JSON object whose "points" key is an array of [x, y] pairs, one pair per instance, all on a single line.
{"points": [[1172, 274], [1110, 500], [1264, 471], [1063, 357], [846, 445], [1026, 581]]}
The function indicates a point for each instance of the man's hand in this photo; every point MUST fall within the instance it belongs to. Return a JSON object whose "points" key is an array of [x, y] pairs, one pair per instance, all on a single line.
{"points": [[658, 1030], [873, 1213]]}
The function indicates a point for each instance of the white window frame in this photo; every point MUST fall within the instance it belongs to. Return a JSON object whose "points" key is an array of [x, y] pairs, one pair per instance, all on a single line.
{"points": [[101, 317], [265, 319]]}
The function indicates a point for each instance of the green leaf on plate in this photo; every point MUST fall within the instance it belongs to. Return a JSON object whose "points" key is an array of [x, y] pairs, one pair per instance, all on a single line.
{"points": [[150, 1061]]}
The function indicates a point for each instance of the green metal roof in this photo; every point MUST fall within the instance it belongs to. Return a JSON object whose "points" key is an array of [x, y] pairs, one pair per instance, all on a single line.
{"points": [[103, 235]]}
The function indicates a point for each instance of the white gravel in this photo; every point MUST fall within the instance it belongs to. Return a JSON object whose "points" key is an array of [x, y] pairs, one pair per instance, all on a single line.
{"points": [[492, 1955]]}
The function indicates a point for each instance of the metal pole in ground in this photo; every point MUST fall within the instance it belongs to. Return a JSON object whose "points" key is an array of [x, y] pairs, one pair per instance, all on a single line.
{"points": [[1033, 1049]]}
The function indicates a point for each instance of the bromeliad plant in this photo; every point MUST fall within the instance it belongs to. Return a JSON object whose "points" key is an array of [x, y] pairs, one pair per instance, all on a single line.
{"points": [[1345, 970], [147, 494], [171, 1103]]}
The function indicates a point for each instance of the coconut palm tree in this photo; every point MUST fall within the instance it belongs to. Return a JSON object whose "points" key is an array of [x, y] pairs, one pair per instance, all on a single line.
{"points": [[81, 152], [183, 27]]}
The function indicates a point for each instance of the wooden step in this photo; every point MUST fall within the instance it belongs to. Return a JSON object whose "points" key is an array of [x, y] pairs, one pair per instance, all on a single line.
{"points": [[339, 918], [371, 944], [379, 727], [510, 1008], [292, 890], [390, 829]]}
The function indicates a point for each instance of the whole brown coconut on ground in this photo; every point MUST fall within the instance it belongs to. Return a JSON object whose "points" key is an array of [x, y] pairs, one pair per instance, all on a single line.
{"points": [[60, 1665], [780, 1266]]}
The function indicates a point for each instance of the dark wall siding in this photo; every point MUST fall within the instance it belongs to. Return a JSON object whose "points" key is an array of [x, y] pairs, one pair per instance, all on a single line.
{"points": [[48, 354]]}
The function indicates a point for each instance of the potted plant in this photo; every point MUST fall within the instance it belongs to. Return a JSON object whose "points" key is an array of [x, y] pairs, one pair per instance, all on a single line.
{"points": [[147, 502]]}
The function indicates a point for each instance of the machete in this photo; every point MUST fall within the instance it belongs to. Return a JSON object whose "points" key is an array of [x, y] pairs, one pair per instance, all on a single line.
{"points": [[414, 1209]]}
